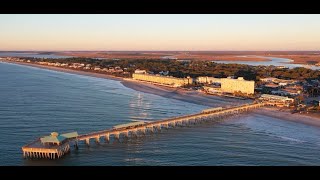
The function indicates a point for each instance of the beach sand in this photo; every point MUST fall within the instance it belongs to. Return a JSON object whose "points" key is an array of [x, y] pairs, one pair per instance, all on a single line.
{"points": [[194, 97], [72, 71], [287, 115], [184, 95]]}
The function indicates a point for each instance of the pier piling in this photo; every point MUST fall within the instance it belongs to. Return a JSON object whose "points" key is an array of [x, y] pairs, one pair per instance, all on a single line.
{"points": [[38, 150]]}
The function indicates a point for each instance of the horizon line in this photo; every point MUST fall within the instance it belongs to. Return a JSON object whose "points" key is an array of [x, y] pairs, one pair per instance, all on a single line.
{"points": [[159, 50]]}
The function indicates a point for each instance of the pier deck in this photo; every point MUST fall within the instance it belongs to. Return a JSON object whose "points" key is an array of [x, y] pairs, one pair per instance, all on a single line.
{"points": [[37, 150]]}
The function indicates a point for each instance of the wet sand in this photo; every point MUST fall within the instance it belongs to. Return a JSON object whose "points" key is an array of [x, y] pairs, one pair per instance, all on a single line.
{"points": [[72, 71], [194, 97], [215, 101], [184, 95], [313, 120]]}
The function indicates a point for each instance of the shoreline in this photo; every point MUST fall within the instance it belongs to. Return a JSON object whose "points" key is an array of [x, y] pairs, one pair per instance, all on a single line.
{"points": [[287, 116], [67, 70], [194, 97], [164, 91]]}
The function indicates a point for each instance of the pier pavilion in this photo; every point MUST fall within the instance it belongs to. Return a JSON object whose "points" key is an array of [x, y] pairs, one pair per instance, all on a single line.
{"points": [[53, 146]]}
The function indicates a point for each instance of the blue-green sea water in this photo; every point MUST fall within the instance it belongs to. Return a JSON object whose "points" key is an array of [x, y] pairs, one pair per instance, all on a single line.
{"points": [[35, 102]]}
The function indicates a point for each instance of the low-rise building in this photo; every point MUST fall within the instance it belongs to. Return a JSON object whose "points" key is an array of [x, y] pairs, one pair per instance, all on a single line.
{"points": [[208, 80], [278, 81], [43, 63], [76, 65], [57, 64], [268, 79], [283, 84], [271, 85], [276, 100], [184, 60], [139, 71], [164, 73], [164, 80], [118, 69]]}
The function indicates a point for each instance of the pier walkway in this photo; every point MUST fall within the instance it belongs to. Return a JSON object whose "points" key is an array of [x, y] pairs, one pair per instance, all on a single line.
{"points": [[37, 150]]}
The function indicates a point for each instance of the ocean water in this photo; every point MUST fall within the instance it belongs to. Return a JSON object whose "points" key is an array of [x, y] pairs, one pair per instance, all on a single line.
{"points": [[35, 102], [34, 55], [273, 61]]}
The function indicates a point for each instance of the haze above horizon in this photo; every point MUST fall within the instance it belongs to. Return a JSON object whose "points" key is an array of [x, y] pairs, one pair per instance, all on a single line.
{"points": [[88, 32]]}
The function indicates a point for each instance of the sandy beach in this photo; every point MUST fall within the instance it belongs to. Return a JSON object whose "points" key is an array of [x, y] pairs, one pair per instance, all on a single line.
{"points": [[190, 96], [73, 71], [286, 115], [184, 95]]}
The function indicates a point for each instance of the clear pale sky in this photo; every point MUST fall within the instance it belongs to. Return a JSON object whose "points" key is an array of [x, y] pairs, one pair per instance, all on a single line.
{"points": [[159, 32]]}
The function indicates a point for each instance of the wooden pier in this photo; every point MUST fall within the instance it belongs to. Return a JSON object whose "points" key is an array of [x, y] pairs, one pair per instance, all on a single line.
{"points": [[37, 149], [54, 146], [32, 151]]}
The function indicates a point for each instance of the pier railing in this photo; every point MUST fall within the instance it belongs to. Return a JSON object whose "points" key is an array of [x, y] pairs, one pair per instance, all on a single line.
{"points": [[32, 151], [158, 123]]}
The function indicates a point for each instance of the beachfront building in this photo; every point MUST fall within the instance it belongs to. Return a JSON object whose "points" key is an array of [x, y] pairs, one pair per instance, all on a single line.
{"points": [[287, 92], [87, 66], [118, 69], [281, 82], [229, 85], [276, 100], [139, 71], [268, 79], [97, 68], [271, 85], [76, 65], [184, 60], [237, 85], [208, 80], [164, 73], [43, 63], [163, 80]]}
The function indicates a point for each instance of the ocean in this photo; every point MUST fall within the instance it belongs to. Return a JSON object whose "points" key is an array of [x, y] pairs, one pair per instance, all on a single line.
{"points": [[33, 55], [273, 61], [35, 102]]}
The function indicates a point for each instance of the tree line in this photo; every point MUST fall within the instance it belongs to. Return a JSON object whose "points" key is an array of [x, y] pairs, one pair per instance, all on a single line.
{"points": [[195, 68]]}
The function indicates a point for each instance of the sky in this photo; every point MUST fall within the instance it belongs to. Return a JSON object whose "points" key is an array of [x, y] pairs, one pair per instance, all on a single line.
{"points": [[146, 32]]}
